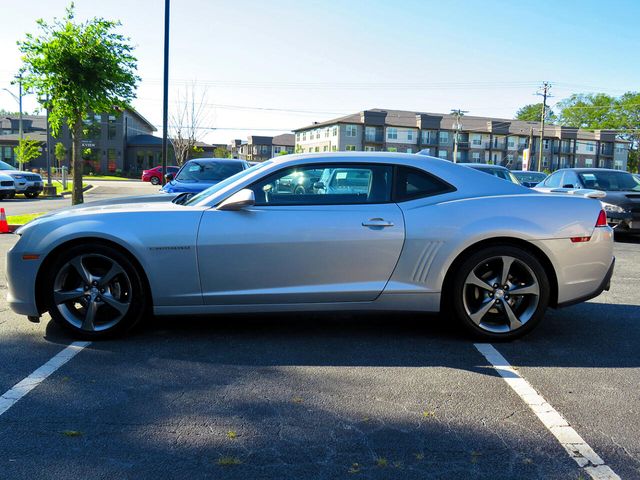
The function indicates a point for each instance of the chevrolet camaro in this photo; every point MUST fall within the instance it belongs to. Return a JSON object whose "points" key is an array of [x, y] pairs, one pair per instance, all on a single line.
{"points": [[384, 232]]}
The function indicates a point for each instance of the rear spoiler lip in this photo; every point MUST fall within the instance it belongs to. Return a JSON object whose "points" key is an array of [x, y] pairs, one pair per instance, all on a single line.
{"points": [[583, 192]]}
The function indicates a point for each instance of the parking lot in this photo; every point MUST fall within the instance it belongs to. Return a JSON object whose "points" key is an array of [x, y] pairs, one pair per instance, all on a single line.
{"points": [[324, 396]]}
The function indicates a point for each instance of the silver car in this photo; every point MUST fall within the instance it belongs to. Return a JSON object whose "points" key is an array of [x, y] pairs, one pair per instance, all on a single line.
{"points": [[423, 235]]}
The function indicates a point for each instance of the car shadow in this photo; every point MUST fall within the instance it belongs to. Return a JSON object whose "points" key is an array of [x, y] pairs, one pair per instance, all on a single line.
{"points": [[586, 335]]}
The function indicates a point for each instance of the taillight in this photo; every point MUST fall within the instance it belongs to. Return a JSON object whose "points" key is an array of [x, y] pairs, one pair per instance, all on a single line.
{"points": [[602, 219]]}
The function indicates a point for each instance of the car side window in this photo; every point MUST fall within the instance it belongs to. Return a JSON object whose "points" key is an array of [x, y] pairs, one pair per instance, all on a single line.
{"points": [[412, 183], [329, 184], [554, 180]]}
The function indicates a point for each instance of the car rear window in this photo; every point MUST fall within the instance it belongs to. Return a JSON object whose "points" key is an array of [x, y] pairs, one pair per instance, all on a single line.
{"points": [[412, 183], [208, 171]]}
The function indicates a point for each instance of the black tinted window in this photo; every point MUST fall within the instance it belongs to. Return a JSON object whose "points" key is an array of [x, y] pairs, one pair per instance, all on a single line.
{"points": [[413, 183]]}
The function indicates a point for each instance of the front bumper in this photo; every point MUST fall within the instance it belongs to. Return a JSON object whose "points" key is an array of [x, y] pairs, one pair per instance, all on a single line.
{"points": [[7, 192], [29, 187], [21, 280]]}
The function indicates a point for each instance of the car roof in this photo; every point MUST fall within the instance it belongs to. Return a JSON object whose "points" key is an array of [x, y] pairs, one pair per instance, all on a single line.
{"points": [[484, 166], [528, 171], [583, 170], [217, 160]]}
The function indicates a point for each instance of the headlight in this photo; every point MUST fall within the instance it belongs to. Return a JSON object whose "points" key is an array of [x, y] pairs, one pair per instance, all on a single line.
{"points": [[18, 176], [609, 207]]}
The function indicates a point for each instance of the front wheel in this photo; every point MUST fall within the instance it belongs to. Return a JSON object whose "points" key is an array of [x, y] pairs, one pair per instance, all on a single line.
{"points": [[94, 291], [155, 181], [500, 293], [31, 194]]}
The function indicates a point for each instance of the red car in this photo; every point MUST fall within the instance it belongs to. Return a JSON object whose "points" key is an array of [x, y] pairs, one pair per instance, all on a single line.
{"points": [[155, 174]]}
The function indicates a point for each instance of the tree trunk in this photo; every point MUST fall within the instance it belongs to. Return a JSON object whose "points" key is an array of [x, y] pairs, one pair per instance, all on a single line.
{"points": [[76, 162]]}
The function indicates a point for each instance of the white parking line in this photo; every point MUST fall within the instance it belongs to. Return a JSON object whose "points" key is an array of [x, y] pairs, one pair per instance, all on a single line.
{"points": [[20, 389], [573, 443]]}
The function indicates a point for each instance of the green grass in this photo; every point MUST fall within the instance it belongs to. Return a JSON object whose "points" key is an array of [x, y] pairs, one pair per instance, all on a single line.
{"points": [[22, 219], [105, 177], [59, 189]]}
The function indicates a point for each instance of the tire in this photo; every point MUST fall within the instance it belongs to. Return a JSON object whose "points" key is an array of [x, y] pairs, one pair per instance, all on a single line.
{"points": [[487, 309], [94, 292], [155, 181], [31, 194], [12, 195]]}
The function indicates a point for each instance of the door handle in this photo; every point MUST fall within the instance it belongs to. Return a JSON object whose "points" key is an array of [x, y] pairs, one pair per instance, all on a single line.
{"points": [[377, 222]]}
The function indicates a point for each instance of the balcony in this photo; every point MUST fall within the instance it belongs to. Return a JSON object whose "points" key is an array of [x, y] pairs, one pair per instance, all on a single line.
{"points": [[562, 149], [606, 150], [463, 144], [377, 138]]}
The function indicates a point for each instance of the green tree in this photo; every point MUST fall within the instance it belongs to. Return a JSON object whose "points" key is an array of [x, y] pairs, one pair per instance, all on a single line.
{"points": [[27, 150], [60, 152], [533, 111], [282, 152], [589, 110], [81, 67], [632, 161], [221, 152]]}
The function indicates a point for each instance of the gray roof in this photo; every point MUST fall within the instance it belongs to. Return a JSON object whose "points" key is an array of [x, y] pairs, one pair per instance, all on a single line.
{"points": [[14, 138], [500, 126], [285, 140]]}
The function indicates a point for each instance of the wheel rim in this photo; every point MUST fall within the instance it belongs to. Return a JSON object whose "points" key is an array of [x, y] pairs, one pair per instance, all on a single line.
{"points": [[154, 181], [501, 294], [92, 292]]}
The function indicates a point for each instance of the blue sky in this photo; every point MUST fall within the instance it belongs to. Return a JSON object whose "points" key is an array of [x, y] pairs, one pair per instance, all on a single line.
{"points": [[316, 60]]}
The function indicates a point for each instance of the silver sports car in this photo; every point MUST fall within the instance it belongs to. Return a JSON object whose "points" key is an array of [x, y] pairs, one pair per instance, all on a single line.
{"points": [[373, 231]]}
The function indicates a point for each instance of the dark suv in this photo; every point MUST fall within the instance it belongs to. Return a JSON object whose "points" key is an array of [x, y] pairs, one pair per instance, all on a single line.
{"points": [[622, 199]]}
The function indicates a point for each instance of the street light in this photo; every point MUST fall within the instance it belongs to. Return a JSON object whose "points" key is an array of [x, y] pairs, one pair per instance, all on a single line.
{"points": [[19, 100]]}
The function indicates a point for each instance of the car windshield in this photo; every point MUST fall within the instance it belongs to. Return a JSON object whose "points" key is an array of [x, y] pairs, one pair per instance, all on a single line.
{"points": [[195, 171], [500, 173], [6, 166], [610, 181], [530, 176], [224, 183]]}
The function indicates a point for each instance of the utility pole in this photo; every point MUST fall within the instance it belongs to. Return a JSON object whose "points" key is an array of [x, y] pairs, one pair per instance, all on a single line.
{"points": [[20, 129], [457, 126], [165, 94], [545, 94]]}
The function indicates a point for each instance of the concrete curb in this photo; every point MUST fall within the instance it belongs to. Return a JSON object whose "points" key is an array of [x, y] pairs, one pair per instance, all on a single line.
{"points": [[67, 193]]}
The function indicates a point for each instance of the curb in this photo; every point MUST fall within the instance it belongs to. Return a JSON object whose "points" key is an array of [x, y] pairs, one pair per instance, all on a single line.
{"points": [[69, 192]]}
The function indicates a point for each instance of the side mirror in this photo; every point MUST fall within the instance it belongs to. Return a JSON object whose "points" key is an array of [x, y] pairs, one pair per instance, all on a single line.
{"points": [[169, 176], [318, 185], [239, 200], [568, 185]]}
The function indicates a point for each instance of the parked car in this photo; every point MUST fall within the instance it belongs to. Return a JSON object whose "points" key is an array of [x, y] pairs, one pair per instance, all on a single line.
{"points": [[495, 170], [425, 235], [529, 178], [7, 187], [199, 174], [621, 201], [28, 183], [298, 182], [154, 175]]}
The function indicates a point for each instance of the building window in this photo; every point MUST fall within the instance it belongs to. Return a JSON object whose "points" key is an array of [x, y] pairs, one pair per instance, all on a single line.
{"points": [[476, 140], [326, 133], [509, 158], [545, 163], [392, 149], [545, 144], [409, 135], [317, 133], [475, 156], [588, 162], [369, 148], [304, 135], [511, 142], [409, 150], [617, 164], [392, 133], [351, 130], [317, 149], [443, 139], [620, 148], [428, 136], [351, 148], [111, 127], [334, 131], [325, 148], [442, 153], [297, 137], [590, 147], [370, 134], [334, 148]]}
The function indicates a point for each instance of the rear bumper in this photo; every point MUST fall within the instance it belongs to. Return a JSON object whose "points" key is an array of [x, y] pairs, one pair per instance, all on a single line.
{"points": [[605, 285]]}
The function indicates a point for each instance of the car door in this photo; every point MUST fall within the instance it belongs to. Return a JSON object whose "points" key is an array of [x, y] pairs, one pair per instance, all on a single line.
{"points": [[310, 247]]}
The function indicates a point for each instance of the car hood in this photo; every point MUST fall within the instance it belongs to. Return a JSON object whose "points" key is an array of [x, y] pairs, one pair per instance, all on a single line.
{"points": [[143, 203], [188, 187], [13, 173]]}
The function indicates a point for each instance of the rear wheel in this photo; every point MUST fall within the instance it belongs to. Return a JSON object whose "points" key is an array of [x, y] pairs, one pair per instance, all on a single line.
{"points": [[500, 293], [94, 291], [31, 194]]}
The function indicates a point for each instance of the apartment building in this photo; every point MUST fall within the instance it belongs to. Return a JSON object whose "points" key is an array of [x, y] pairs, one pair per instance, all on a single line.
{"points": [[33, 126], [261, 148], [480, 139]]}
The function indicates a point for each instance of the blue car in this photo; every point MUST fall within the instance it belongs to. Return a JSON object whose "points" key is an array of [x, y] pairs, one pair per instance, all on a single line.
{"points": [[201, 173]]}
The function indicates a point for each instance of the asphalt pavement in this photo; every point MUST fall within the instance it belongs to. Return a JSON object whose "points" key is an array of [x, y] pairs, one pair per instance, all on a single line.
{"points": [[324, 396], [102, 190]]}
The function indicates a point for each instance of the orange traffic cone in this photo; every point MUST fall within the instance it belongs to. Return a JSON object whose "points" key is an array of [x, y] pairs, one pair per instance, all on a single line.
{"points": [[4, 226]]}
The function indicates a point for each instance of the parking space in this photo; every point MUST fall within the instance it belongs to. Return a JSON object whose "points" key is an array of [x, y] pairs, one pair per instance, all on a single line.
{"points": [[325, 396]]}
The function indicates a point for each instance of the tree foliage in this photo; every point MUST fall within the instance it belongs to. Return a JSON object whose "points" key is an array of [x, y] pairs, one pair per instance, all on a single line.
{"points": [[185, 122], [27, 150], [60, 152], [221, 152], [81, 67], [533, 111], [589, 111]]}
